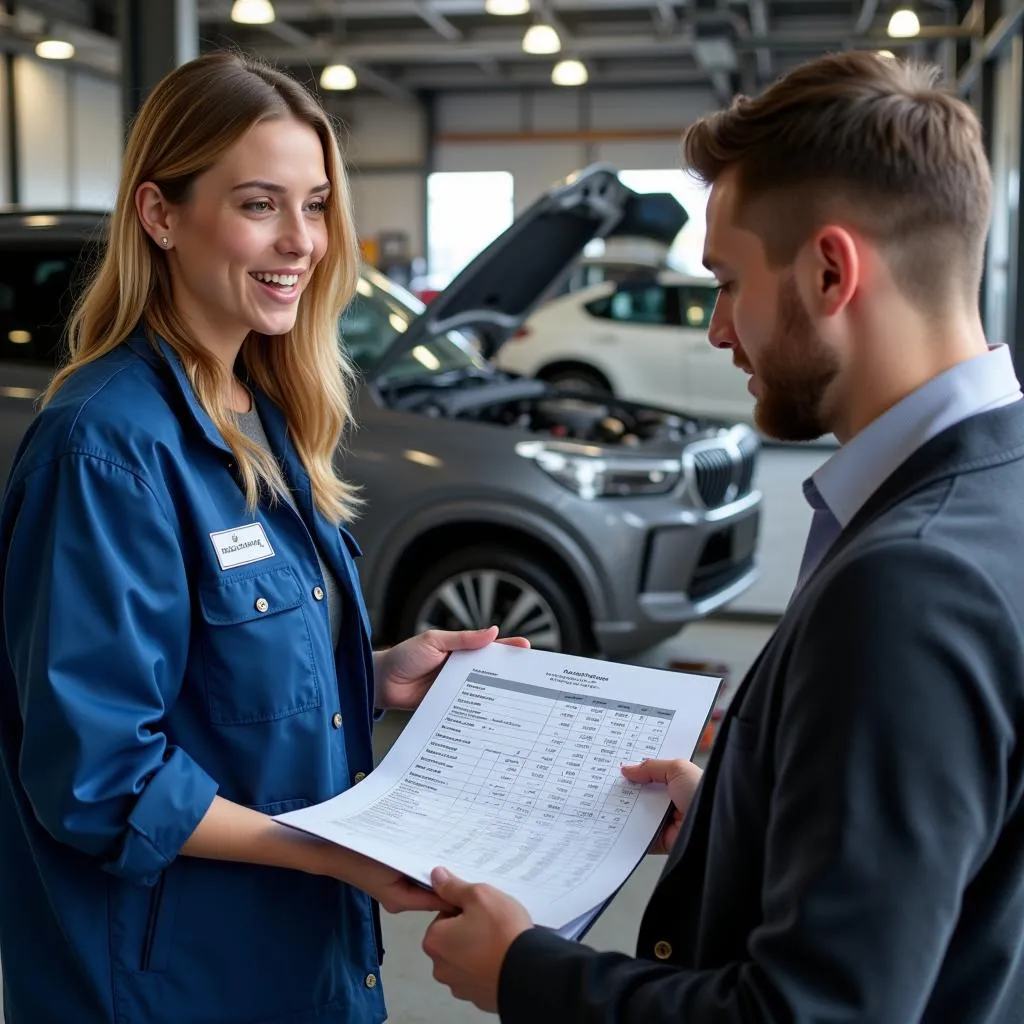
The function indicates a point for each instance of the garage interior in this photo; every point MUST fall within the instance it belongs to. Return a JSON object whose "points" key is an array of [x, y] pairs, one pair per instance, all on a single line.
{"points": [[452, 129]]}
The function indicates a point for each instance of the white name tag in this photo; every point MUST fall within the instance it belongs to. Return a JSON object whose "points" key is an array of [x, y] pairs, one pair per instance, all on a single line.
{"points": [[240, 546]]}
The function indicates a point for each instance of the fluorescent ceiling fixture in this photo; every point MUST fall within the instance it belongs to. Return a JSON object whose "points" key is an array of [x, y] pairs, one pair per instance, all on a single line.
{"points": [[401, 326], [252, 12], [541, 39], [55, 49], [337, 76], [904, 24], [503, 7], [569, 72]]}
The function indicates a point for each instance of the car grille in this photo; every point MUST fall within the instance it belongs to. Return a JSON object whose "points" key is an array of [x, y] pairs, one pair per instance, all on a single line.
{"points": [[722, 470]]}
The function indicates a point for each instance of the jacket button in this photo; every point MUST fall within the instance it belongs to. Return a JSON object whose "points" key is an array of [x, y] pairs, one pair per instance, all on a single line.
{"points": [[371, 981], [336, 720], [262, 604], [318, 593], [359, 776], [662, 950]]}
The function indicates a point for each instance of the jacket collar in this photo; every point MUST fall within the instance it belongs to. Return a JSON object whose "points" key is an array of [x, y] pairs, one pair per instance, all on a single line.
{"points": [[161, 356], [982, 441]]}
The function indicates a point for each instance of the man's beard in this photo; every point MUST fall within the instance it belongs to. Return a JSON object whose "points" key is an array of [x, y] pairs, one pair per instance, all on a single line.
{"points": [[794, 371]]}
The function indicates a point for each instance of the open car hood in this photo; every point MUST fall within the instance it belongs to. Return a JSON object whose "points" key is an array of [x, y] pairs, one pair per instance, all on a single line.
{"points": [[496, 292]]}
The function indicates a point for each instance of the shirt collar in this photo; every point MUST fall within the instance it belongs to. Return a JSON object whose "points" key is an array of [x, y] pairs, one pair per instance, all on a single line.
{"points": [[858, 469]]}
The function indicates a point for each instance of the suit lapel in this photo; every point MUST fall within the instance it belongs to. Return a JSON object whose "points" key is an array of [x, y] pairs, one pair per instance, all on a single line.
{"points": [[984, 440]]}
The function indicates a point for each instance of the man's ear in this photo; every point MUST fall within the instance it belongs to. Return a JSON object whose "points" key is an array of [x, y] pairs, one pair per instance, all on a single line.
{"points": [[155, 214], [831, 269]]}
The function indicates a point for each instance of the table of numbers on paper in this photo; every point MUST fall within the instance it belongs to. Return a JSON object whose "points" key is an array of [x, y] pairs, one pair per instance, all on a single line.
{"points": [[516, 775], [510, 773]]}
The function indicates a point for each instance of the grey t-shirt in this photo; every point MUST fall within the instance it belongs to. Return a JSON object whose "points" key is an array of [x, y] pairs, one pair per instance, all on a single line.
{"points": [[252, 426]]}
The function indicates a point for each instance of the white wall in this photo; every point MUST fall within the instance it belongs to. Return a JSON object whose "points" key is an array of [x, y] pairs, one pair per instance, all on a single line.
{"points": [[69, 135], [385, 146]]}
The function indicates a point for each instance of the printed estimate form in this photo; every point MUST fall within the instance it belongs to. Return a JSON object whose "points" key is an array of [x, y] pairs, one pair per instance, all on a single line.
{"points": [[509, 773]]}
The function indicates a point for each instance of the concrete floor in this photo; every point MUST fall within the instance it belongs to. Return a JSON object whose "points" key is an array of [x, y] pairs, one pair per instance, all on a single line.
{"points": [[413, 997]]}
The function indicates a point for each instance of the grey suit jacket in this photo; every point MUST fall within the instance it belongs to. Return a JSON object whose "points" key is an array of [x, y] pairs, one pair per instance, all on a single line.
{"points": [[855, 852]]}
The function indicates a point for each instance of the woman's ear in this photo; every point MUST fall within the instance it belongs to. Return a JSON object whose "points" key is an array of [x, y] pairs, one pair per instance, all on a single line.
{"points": [[155, 214]]}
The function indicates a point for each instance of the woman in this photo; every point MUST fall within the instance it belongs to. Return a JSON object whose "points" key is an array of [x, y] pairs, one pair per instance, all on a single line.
{"points": [[186, 651]]}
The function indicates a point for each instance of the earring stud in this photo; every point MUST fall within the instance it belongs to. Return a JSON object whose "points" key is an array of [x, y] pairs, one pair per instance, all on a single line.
{"points": [[165, 241]]}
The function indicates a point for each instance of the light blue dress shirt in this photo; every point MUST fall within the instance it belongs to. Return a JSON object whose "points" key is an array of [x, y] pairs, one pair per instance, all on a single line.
{"points": [[841, 487]]}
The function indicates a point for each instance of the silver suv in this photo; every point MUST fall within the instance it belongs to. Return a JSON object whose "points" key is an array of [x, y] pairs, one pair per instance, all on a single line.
{"points": [[590, 525]]}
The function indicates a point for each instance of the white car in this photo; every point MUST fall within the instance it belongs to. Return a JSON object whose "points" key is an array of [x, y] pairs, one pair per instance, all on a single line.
{"points": [[644, 338]]}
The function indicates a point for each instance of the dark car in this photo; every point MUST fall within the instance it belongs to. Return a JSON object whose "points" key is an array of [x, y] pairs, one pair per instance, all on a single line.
{"points": [[589, 525]]}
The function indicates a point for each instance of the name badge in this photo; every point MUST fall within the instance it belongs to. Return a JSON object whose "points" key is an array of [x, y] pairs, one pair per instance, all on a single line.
{"points": [[240, 546]]}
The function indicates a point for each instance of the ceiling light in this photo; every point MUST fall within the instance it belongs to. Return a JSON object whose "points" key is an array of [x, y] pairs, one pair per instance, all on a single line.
{"points": [[904, 24], [55, 49], [541, 39], [569, 72], [503, 7], [337, 76], [252, 12], [887, 54]]}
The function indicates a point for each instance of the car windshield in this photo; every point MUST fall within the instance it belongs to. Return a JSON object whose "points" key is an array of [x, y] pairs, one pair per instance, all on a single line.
{"points": [[379, 313]]}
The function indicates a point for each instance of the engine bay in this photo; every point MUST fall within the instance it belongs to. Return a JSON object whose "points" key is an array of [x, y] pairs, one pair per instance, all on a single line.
{"points": [[537, 408]]}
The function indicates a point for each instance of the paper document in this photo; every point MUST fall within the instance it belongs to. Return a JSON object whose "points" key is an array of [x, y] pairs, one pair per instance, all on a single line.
{"points": [[509, 773]]}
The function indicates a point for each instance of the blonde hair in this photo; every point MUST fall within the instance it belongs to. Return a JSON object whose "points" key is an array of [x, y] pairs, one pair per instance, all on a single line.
{"points": [[198, 112], [868, 138]]}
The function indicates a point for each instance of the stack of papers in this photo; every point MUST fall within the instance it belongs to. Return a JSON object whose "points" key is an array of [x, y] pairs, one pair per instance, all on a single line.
{"points": [[509, 773]]}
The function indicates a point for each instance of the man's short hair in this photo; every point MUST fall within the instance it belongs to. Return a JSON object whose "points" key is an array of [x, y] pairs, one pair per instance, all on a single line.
{"points": [[869, 141]]}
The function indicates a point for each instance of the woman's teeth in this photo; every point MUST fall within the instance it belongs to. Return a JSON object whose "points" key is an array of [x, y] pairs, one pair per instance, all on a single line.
{"points": [[282, 280]]}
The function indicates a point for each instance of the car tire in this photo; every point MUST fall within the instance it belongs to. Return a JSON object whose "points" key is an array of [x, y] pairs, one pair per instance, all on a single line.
{"points": [[482, 586], [578, 378]]}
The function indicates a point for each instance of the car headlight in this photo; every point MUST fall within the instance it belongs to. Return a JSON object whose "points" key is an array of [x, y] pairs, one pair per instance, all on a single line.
{"points": [[593, 473]]}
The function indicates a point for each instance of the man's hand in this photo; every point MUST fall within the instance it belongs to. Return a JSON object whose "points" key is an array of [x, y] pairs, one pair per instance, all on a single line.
{"points": [[469, 947], [404, 673], [682, 779]]}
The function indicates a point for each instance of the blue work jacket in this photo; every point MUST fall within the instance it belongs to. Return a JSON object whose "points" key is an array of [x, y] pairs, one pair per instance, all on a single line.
{"points": [[161, 644]]}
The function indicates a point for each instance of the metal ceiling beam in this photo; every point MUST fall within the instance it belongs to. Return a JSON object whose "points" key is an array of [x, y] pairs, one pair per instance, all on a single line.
{"points": [[546, 10], [303, 42], [666, 16], [438, 22], [759, 27], [385, 86], [474, 49], [539, 78], [309, 10], [78, 11], [1002, 32], [430, 50], [868, 8]]}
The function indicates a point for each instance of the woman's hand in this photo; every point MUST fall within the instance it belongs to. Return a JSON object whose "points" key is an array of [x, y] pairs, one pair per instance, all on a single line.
{"points": [[394, 891], [682, 779], [403, 674]]}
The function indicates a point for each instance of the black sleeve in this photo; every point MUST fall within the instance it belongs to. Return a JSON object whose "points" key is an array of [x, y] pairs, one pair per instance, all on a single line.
{"points": [[890, 783]]}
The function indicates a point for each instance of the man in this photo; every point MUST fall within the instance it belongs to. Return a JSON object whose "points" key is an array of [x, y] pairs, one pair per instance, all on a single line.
{"points": [[855, 850]]}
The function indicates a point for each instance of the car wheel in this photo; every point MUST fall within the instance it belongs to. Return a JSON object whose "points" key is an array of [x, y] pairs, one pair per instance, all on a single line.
{"points": [[480, 587], [578, 378]]}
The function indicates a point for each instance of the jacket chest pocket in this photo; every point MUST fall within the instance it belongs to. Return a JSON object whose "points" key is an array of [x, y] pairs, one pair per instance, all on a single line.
{"points": [[256, 648]]}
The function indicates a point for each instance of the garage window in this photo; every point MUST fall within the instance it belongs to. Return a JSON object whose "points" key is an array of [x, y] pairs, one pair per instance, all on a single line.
{"points": [[466, 211]]}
